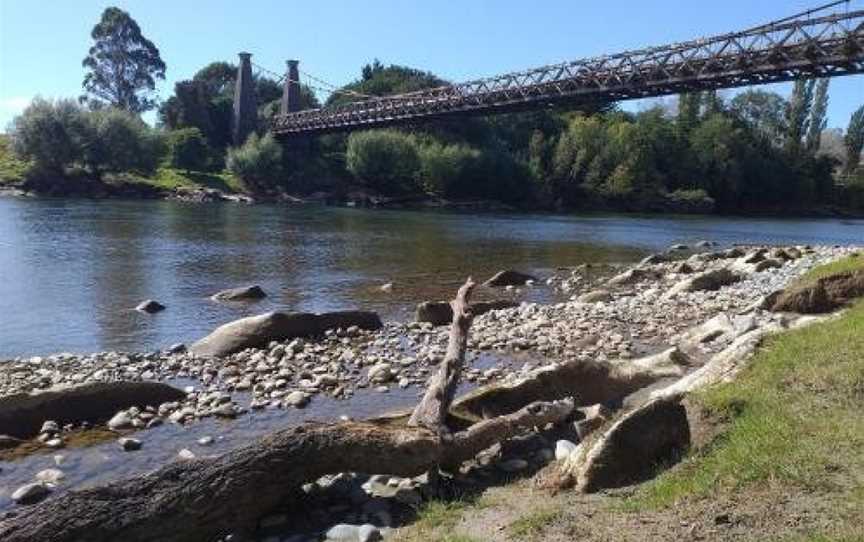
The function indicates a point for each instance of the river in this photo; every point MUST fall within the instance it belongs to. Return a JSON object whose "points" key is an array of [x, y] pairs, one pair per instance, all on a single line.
{"points": [[71, 270]]}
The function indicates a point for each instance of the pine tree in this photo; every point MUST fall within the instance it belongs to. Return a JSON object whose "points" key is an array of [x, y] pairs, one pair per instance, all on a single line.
{"points": [[798, 113], [854, 140]]}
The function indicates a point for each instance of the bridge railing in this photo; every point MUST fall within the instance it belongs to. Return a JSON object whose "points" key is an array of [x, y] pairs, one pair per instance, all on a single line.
{"points": [[812, 47]]}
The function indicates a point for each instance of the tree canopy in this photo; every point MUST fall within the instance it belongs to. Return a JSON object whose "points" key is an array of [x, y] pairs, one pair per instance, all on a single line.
{"points": [[122, 65]]}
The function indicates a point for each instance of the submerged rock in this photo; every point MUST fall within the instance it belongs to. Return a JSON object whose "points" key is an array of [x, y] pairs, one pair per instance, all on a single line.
{"points": [[509, 278], [440, 313], [150, 306], [244, 293]]}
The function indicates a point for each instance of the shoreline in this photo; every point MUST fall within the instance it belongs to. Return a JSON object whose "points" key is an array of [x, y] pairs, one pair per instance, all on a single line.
{"points": [[203, 195]]}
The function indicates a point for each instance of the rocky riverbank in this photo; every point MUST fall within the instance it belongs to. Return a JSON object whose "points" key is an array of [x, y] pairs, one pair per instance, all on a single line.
{"points": [[611, 315]]}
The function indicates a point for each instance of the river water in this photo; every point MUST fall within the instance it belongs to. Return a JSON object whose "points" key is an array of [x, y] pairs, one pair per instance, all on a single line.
{"points": [[72, 270]]}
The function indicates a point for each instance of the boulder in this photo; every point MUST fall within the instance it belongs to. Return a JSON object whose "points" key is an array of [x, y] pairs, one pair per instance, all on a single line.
{"points": [[150, 306], [655, 259], [595, 296], [244, 293], [258, 331], [50, 476], [683, 268], [563, 449], [353, 533], [440, 313], [509, 278], [22, 415], [629, 450], [121, 420], [129, 444]]}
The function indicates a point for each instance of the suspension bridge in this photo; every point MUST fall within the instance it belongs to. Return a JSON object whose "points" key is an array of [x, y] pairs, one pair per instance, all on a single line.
{"points": [[821, 42]]}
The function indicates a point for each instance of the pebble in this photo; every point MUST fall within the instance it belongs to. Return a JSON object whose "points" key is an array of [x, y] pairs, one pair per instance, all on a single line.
{"points": [[50, 476], [186, 454]]}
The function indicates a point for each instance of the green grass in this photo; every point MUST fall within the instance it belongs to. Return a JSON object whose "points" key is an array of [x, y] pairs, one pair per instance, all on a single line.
{"points": [[170, 178], [852, 263], [795, 419], [531, 526], [13, 170]]}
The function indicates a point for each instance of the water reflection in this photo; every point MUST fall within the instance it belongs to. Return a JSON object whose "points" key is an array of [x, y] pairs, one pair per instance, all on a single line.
{"points": [[71, 270]]}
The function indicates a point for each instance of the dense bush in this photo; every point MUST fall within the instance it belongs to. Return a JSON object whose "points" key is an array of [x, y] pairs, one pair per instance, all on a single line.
{"points": [[258, 162], [443, 167], [386, 160], [114, 140], [187, 149]]}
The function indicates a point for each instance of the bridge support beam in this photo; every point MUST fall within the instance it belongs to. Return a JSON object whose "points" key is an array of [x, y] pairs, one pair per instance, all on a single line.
{"points": [[291, 89], [245, 116]]}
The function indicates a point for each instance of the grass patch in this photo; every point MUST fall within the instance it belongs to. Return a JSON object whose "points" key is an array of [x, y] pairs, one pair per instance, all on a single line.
{"points": [[843, 265], [170, 178], [531, 526], [13, 170], [795, 418]]}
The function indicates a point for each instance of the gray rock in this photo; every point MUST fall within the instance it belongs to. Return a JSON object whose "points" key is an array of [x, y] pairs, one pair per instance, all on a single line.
{"points": [[31, 493], [50, 476], [244, 293], [297, 399], [439, 313], [259, 331], [129, 444], [121, 420], [205, 441], [150, 306], [50, 427], [595, 296], [186, 454], [512, 465], [563, 449], [353, 533]]}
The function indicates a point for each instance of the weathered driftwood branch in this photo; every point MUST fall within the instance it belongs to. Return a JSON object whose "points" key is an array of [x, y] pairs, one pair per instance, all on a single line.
{"points": [[433, 408], [209, 498]]}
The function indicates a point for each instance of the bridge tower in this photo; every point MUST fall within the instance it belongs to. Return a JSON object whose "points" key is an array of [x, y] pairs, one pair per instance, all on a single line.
{"points": [[291, 89], [245, 111]]}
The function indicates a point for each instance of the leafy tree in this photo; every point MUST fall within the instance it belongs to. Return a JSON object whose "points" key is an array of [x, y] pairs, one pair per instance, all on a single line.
{"points": [[442, 167], [854, 140], [49, 133], [712, 103], [764, 111], [122, 64], [377, 80], [187, 149], [116, 140], [258, 162], [818, 116], [385, 159]]}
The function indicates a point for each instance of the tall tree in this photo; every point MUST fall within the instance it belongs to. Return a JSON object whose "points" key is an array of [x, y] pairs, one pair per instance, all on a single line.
{"points": [[798, 113], [764, 111], [122, 64], [818, 116], [712, 103], [854, 140]]}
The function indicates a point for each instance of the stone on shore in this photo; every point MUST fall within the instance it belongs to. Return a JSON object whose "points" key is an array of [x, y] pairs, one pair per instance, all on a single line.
{"points": [[50, 476], [121, 420], [259, 331], [706, 281], [244, 293], [595, 296], [150, 306], [353, 533], [31, 493], [440, 313], [509, 278]]}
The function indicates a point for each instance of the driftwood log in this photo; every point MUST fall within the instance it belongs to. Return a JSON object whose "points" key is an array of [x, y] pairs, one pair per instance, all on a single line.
{"points": [[206, 499], [432, 411]]}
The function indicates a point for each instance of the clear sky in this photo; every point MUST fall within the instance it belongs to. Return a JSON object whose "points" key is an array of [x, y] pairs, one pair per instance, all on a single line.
{"points": [[42, 42]]}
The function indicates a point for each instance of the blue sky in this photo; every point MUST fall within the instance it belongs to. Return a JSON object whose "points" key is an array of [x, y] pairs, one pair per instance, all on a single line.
{"points": [[43, 42]]}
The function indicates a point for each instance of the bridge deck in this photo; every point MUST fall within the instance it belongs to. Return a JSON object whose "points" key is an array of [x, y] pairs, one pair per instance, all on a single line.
{"points": [[827, 46]]}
